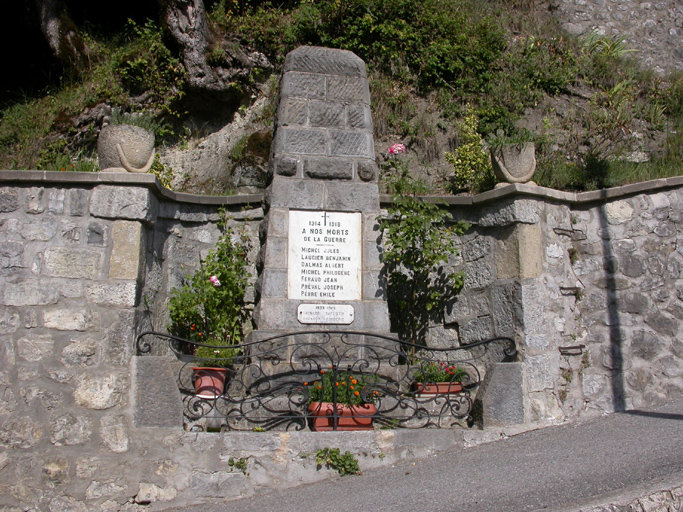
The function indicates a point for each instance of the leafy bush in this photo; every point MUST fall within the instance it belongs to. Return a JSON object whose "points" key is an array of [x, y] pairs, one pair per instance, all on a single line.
{"points": [[419, 240], [471, 162], [210, 308]]}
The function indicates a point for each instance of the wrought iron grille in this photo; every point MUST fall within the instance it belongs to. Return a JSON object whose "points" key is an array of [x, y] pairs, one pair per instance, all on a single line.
{"points": [[292, 381]]}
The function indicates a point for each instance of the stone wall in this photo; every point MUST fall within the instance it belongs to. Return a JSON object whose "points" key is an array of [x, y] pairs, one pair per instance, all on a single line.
{"points": [[587, 284], [652, 28]]}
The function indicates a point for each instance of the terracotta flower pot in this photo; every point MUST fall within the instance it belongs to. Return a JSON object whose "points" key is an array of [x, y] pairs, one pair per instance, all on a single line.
{"points": [[438, 388], [354, 417], [209, 382]]}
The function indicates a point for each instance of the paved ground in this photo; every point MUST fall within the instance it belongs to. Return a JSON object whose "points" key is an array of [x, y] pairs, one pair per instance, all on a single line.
{"points": [[559, 468]]}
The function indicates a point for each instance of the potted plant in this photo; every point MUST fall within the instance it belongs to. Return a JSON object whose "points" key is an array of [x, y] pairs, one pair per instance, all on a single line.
{"points": [[209, 311], [513, 157], [341, 399], [438, 378]]}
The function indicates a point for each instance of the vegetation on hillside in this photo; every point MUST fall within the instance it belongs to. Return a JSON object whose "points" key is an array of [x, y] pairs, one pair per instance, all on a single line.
{"points": [[596, 117]]}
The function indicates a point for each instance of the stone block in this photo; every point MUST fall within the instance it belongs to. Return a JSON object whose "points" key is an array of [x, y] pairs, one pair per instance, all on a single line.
{"points": [[617, 212], [327, 114], [39, 231], [55, 201], [351, 197], [99, 392], [38, 292], [304, 141], [80, 353], [353, 144], [278, 223], [348, 89], [35, 348], [35, 200], [328, 168], [292, 112], [274, 283], [9, 199], [286, 166], [150, 493], [374, 287], [302, 85], [477, 329], [359, 117], [538, 371], [521, 253], [372, 256], [11, 255], [65, 319], [112, 294], [503, 402], [127, 250], [520, 210], [478, 274], [73, 262], [276, 253], [291, 193], [220, 484], [313, 59], [477, 248], [114, 433], [372, 316], [79, 202], [367, 170], [156, 398], [70, 430], [112, 202]]}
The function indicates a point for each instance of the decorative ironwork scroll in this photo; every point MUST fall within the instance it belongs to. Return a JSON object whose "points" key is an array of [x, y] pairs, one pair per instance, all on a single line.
{"points": [[270, 382]]}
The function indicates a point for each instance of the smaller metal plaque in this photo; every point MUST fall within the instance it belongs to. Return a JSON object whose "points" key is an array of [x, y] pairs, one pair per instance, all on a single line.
{"points": [[325, 313]]}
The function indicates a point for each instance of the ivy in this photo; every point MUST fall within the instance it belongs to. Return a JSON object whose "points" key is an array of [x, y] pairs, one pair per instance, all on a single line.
{"points": [[344, 463]]}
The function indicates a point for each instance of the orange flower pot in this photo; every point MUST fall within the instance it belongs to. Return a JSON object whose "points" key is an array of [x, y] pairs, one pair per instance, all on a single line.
{"points": [[209, 382], [354, 417], [438, 388]]}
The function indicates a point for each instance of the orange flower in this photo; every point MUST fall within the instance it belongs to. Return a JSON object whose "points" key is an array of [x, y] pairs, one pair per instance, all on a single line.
{"points": [[351, 387], [322, 372], [336, 383], [305, 383], [343, 383], [356, 393], [354, 381]]}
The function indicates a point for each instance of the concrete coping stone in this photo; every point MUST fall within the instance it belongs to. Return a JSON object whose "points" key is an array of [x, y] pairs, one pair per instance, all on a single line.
{"points": [[509, 191]]}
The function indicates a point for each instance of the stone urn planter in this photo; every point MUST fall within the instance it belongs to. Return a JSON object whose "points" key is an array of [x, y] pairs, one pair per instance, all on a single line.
{"points": [[125, 148], [353, 417], [209, 383], [514, 163]]}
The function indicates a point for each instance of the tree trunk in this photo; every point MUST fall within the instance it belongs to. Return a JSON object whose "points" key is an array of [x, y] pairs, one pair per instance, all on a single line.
{"points": [[186, 21], [62, 35]]}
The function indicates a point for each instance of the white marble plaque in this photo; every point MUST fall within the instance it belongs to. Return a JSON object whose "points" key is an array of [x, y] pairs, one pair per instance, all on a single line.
{"points": [[325, 313], [324, 260]]}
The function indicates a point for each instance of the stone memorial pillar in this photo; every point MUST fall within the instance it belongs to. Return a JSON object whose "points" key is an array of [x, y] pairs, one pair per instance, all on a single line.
{"points": [[320, 254]]}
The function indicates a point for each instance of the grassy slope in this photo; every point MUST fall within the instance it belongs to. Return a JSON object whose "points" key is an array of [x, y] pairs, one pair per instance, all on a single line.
{"points": [[586, 105]]}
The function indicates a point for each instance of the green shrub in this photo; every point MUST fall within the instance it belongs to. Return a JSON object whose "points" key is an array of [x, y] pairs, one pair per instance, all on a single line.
{"points": [[209, 309], [419, 241], [471, 162]]}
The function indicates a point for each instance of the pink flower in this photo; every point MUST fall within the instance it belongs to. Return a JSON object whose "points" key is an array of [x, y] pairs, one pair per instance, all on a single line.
{"points": [[214, 280], [396, 149]]}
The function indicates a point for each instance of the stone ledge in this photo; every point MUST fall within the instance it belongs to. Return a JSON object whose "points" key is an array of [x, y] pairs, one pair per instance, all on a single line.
{"points": [[508, 191]]}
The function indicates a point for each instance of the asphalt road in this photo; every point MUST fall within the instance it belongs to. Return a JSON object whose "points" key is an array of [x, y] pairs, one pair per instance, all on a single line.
{"points": [[556, 468]]}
